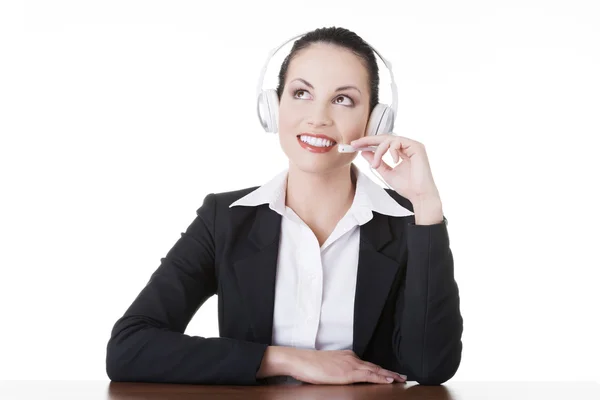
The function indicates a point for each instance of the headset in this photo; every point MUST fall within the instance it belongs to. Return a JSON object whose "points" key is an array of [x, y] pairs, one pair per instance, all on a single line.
{"points": [[381, 119]]}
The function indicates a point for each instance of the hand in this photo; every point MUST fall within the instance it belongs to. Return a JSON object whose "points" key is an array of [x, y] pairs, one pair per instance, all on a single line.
{"points": [[412, 178], [337, 367]]}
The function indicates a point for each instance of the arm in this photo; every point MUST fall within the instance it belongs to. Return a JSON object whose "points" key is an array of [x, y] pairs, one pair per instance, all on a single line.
{"points": [[276, 362], [428, 324], [147, 343]]}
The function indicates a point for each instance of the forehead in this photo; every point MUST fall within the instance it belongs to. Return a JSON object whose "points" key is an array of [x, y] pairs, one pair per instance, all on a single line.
{"points": [[328, 64]]}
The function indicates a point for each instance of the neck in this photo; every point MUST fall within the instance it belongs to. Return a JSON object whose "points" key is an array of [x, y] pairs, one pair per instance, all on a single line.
{"points": [[317, 196]]}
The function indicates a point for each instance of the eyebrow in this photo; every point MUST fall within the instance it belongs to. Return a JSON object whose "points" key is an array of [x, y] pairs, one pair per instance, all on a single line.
{"points": [[337, 90]]}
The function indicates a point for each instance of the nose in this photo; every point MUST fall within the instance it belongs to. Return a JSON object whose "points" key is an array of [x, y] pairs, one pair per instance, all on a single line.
{"points": [[320, 116]]}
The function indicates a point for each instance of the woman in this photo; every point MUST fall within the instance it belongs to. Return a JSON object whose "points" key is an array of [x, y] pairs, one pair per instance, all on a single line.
{"points": [[321, 275]]}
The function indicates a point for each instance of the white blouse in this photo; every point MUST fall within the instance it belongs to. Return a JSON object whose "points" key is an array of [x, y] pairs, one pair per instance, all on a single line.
{"points": [[315, 286]]}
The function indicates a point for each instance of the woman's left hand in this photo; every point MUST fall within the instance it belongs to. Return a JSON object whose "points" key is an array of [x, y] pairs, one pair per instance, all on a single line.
{"points": [[412, 178]]}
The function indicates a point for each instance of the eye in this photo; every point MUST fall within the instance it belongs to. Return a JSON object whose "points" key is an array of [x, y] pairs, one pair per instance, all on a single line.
{"points": [[299, 90], [351, 103], [342, 96]]}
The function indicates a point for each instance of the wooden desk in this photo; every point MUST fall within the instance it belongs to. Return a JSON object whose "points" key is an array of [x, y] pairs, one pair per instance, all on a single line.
{"points": [[91, 390]]}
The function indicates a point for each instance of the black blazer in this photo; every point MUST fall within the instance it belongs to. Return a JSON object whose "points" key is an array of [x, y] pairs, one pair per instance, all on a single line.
{"points": [[406, 313]]}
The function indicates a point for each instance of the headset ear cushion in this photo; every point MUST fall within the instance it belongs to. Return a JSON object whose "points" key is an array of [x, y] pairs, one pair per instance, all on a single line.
{"points": [[273, 107], [268, 110], [381, 120]]}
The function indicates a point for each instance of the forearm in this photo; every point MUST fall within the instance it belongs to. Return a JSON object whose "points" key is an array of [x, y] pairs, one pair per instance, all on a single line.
{"points": [[428, 322], [138, 351]]}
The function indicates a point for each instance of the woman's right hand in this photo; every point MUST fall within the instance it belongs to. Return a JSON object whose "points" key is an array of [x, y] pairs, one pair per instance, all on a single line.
{"points": [[336, 367]]}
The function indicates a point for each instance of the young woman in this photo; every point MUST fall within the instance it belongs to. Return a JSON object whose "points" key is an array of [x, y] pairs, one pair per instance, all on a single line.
{"points": [[322, 275]]}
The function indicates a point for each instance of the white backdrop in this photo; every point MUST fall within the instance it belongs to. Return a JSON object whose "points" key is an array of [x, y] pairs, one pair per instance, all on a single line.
{"points": [[118, 117]]}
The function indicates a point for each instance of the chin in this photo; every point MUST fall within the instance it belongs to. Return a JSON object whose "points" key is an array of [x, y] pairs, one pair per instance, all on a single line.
{"points": [[305, 164]]}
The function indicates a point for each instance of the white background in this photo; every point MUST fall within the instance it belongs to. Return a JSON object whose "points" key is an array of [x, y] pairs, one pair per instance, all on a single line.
{"points": [[117, 118]]}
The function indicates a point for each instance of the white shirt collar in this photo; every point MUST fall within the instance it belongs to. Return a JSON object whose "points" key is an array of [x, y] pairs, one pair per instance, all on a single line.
{"points": [[369, 197]]}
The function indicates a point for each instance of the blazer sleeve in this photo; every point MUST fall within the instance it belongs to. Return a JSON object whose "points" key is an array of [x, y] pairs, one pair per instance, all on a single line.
{"points": [[148, 343], [428, 324]]}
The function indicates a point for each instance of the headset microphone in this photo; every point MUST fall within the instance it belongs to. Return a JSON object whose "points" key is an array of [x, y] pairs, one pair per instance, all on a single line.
{"points": [[346, 148]]}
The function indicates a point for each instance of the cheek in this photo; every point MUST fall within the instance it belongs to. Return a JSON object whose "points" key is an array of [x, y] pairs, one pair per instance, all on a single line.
{"points": [[289, 118], [353, 129], [285, 125]]}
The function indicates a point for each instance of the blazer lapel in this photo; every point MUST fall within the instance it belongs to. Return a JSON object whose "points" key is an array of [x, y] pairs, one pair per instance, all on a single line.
{"points": [[255, 272], [375, 275]]}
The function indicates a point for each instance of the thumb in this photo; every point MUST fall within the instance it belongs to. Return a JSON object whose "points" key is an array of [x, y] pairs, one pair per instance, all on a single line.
{"points": [[383, 168], [368, 155]]}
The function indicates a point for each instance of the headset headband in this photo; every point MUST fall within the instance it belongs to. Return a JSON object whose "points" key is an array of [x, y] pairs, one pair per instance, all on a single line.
{"points": [[388, 65]]}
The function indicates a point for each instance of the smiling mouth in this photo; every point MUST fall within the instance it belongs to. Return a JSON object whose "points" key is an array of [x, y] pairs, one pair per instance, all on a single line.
{"points": [[331, 140], [316, 149]]}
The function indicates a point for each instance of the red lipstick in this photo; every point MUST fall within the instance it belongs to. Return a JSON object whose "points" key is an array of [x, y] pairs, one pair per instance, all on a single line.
{"points": [[316, 149]]}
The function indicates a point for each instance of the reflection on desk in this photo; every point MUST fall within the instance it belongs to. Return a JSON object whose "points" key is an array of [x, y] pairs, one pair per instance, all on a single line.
{"points": [[90, 390]]}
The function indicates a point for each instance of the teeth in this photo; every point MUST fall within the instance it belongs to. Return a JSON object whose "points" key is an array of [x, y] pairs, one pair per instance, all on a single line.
{"points": [[316, 142]]}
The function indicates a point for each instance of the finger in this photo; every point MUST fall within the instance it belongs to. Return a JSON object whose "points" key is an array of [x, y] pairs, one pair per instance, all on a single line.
{"points": [[367, 155], [408, 146], [397, 147], [398, 377], [383, 168], [365, 375], [395, 155], [373, 140], [381, 150], [377, 368], [382, 371], [388, 374]]}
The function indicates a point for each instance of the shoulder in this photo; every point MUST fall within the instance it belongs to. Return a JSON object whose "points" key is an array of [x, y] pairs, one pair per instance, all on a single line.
{"points": [[220, 201], [224, 199], [218, 217]]}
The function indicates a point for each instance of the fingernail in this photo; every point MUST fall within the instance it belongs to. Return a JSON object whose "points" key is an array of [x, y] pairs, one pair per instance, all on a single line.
{"points": [[402, 376], [389, 379]]}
